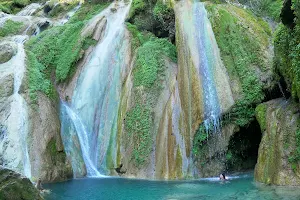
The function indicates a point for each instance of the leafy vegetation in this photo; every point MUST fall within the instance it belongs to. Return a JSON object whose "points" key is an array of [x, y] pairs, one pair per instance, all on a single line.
{"points": [[10, 27], [148, 72], [14, 6], [150, 61], [57, 50], [137, 37], [87, 11], [137, 6], [138, 124], [287, 62], [287, 59], [153, 16], [265, 8], [241, 52], [200, 141], [165, 18], [294, 159]]}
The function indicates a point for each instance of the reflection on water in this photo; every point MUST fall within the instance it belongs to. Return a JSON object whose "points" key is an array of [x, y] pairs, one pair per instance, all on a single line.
{"points": [[237, 187]]}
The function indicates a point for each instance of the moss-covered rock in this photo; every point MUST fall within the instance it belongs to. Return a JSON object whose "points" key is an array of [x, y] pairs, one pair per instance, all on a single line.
{"points": [[14, 186], [7, 51], [260, 111], [155, 16], [244, 41], [10, 27], [286, 47], [278, 156]]}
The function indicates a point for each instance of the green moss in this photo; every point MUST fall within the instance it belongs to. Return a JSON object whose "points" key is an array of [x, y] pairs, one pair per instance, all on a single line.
{"points": [[148, 73], [10, 28], [150, 61], [57, 50], [21, 3], [88, 42], [138, 124], [165, 19], [137, 37], [14, 6], [37, 79], [200, 143], [260, 112], [51, 147], [5, 8], [87, 11], [178, 166], [294, 158], [240, 51], [55, 155], [287, 53], [137, 6], [265, 8]]}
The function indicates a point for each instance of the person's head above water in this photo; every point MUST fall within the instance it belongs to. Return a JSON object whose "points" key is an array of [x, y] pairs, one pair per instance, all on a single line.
{"points": [[222, 176]]}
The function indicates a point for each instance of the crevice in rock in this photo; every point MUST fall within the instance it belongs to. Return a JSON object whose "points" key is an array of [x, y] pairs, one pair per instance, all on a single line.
{"points": [[279, 90], [243, 148]]}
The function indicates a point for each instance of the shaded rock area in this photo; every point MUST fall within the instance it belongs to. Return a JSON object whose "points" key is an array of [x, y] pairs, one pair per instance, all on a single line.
{"points": [[287, 14], [14, 186], [278, 153]]}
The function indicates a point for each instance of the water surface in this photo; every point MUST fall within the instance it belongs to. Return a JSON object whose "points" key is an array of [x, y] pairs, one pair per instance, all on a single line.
{"points": [[242, 187]]}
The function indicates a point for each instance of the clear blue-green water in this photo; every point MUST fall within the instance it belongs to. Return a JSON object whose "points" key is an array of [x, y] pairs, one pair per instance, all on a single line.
{"points": [[242, 187]]}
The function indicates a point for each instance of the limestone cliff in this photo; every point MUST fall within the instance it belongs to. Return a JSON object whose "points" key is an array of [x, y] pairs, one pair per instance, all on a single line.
{"points": [[278, 158]]}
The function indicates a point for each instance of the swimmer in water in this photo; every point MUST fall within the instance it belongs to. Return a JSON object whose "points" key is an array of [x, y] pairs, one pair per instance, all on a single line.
{"points": [[222, 177]]}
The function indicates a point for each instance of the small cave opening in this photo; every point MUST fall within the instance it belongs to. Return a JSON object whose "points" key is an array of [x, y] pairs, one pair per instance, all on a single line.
{"points": [[280, 89], [243, 148]]}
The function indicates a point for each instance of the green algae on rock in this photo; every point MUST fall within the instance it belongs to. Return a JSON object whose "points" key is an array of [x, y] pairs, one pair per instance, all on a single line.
{"points": [[279, 143], [14, 186]]}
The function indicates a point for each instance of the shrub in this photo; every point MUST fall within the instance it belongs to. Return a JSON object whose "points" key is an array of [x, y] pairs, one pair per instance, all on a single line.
{"points": [[10, 28]]}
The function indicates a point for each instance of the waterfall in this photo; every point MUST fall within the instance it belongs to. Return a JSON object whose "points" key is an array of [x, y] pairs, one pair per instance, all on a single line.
{"points": [[83, 139], [19, 105], [29, 10], [17, 156], [69, 14], [201, 55], [97, 94], [205, 44]]}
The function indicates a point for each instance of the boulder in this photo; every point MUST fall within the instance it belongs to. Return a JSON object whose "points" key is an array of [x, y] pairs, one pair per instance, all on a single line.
{"points": [[278, 156], [7, 51], [15, 186]]}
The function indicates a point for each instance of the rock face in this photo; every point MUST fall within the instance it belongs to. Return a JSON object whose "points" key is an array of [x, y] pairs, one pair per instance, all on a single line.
{"points": [[7, 51], [278, 161], [13, 186], [46, 150]]}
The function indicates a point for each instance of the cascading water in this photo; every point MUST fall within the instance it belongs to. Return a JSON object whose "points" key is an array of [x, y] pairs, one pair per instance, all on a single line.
{"points": [[19, 105], [97, 95], [205, 42], [29, 10], [69, 14], [203, 80], [198, 44], [83, 138], [17, 156], [14, 141]]}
